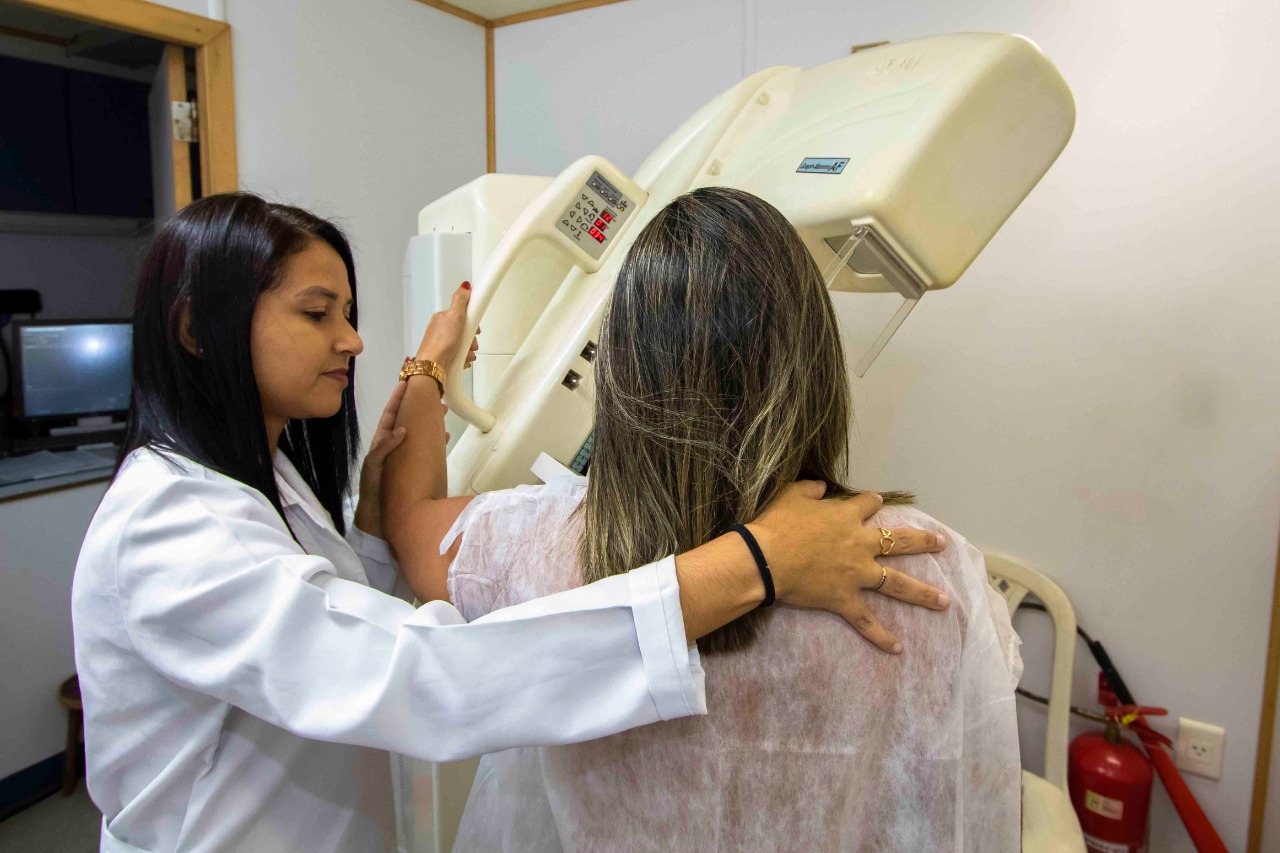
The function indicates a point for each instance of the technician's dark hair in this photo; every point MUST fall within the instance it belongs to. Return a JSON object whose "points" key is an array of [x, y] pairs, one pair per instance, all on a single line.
{"points": [[217, 256]]}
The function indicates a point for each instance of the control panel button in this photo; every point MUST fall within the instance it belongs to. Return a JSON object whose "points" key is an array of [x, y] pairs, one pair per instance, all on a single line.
{"points": [[597, 205]]}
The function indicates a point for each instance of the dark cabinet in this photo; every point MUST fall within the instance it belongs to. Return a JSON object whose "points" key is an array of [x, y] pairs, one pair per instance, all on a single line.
{"points": [[110, 145], [73, 142], [35, 150]]}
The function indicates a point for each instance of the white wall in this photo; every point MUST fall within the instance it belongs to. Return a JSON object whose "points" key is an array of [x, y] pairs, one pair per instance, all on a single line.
{"points": [[77, 276], [363, 112], [1097, 395], [558, 101]]}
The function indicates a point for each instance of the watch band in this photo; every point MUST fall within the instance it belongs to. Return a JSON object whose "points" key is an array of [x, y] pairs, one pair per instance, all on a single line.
{"points": [[423, 367]]}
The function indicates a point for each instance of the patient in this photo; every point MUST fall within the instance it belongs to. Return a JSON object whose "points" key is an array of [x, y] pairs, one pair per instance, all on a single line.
{"points": [[720, 379]]}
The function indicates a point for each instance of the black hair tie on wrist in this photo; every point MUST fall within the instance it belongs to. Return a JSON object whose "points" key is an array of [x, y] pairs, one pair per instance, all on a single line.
{"points": [[754, 547]]}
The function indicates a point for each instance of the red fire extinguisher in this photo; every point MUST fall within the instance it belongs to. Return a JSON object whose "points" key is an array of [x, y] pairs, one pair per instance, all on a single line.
{"points": [[1110, 784], [1090, 770]]}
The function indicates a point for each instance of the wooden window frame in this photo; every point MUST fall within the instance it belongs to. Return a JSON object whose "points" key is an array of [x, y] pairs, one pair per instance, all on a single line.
{"points": [[215, 92]]}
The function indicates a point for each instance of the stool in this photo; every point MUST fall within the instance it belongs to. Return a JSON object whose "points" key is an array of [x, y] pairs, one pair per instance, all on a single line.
{"points": [[69, 698]]}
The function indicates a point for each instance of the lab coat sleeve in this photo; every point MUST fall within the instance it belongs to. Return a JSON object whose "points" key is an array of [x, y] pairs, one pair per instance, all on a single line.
{"points": [[379, 566], [218, 597]]}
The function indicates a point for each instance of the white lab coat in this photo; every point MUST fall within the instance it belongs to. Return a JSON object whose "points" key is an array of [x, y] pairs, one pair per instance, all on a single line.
{"points": [[241, 690]]}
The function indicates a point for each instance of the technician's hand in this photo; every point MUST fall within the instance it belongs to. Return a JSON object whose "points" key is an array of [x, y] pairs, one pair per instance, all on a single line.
{"points": [[821, 554], [386, 438], [445, 330]]}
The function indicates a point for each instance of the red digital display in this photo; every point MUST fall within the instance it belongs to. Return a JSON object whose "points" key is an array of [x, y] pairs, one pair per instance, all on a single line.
{"points": [[600, 224], [596, 234], [607, 216]]}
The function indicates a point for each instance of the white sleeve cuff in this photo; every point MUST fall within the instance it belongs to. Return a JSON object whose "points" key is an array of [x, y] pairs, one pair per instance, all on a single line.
{"points": [[672, 666]]}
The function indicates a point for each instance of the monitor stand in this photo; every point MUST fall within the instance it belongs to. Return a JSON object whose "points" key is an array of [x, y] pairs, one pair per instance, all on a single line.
{"points": [[93, 423], [96, 429]]}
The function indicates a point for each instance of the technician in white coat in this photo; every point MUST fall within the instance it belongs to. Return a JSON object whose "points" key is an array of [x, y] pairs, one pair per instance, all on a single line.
{"points": [[245, 668]]}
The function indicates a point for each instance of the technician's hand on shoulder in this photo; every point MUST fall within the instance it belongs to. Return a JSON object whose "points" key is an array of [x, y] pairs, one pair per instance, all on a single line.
{"points": [[823, 555]]}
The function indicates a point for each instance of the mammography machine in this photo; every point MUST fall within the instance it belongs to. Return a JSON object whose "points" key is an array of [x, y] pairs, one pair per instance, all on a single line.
{"points": [[896, 164]]}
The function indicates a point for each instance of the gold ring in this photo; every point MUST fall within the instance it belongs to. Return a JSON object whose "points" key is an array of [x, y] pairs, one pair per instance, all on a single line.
{"points": [[886, 541], [883, 576]]}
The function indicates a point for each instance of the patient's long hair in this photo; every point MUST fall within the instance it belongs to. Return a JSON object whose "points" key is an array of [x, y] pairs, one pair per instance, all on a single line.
{"points": [[720, 380]]}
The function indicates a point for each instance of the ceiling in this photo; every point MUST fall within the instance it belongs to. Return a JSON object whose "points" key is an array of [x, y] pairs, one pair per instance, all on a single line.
{"points": [[500, 13], [88, 41], [501, 8], [80, 40], [42, 23]]}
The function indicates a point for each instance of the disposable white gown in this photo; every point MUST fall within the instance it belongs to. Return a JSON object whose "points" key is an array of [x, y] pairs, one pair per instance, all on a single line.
{"points": [[814, 740]]}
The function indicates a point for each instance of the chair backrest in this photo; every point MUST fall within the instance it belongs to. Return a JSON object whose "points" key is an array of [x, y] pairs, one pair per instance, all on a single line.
{"points": [[1015, 581]]}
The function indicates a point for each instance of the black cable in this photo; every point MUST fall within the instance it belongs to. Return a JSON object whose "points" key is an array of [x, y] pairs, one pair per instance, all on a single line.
{"points": [[1075, 709], [1031, 605], [1103, 660]]}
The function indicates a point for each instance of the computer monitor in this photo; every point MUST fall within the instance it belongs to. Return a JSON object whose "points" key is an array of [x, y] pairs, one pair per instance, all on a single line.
{"points": [[72, 368]]}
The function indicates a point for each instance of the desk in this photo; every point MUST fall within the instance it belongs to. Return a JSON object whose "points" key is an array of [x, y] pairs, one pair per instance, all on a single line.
{"points": [[41, 484], [53, 484]]}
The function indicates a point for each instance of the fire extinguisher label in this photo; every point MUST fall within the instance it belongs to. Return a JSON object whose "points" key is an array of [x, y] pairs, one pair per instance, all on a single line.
{"points": [[1105, 806], [1097, 845]]}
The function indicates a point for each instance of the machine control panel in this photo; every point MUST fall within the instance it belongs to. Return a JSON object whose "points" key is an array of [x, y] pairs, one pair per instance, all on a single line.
{"points": [[595, 215]]}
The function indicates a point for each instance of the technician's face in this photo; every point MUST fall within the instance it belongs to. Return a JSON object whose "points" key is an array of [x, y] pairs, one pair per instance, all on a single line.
{"points": [[301, 340]]}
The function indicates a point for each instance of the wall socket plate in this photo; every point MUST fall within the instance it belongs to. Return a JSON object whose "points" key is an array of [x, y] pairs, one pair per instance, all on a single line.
{"points": [[1200, 748]]}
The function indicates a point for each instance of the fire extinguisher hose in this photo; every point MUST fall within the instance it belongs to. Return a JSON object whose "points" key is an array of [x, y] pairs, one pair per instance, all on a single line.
{"points": [[1203, 835]]}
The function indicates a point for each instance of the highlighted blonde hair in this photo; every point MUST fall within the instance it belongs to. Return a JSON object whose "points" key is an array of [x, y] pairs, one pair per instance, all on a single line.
{"points": [[720, 380]]}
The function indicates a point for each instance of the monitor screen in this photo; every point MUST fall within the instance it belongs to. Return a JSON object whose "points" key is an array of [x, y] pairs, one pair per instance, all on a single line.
{"points": [[69, 368]]}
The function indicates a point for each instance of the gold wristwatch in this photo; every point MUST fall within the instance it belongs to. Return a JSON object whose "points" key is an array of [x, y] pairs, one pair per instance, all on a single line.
{"points": [[423, 367]]}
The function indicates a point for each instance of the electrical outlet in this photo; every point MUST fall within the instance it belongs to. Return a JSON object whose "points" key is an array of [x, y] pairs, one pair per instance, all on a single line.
{"points": [[1200, 748]]}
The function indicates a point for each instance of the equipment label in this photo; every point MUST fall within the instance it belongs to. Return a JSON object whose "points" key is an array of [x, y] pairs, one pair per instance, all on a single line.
{"points": [[823, 165], [1104, 806]]}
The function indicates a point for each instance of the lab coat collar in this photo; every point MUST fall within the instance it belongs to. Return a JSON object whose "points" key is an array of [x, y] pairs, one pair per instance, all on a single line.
{"points": [[294, 491], [322, 537]]}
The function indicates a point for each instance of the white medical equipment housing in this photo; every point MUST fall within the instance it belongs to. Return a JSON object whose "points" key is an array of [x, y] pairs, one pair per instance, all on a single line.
{"points": [[896, 164]]}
